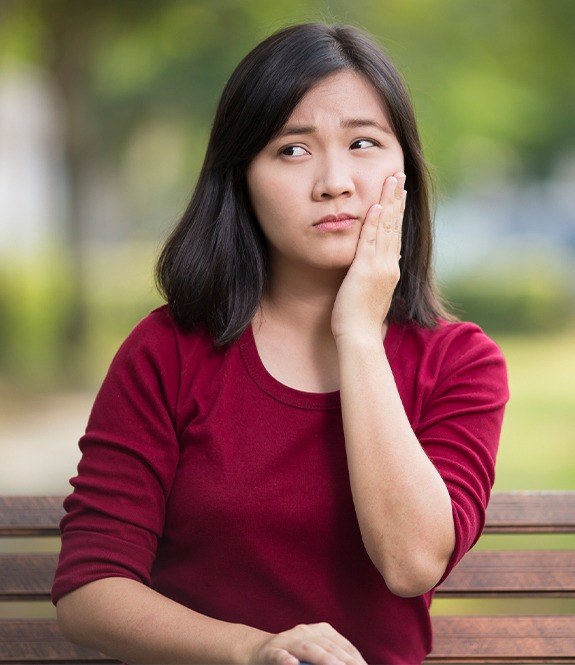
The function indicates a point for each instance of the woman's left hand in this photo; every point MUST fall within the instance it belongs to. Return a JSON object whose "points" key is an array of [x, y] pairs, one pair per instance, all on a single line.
{"points": [[364, 298]]}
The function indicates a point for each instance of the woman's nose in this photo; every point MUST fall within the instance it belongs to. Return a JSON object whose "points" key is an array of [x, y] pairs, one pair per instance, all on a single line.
{"points": [[334, 178]]}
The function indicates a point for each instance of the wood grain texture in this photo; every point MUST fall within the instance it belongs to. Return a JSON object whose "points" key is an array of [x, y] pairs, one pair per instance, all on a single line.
{"points": [[457, 639], [26, 576], [508, 512], [534, 573], [30, 515], [530, 573], [476, 639], [36, 640], [501, 639], [531, 512]]}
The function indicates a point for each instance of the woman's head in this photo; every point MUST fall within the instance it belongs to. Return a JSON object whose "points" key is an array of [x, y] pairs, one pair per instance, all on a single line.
{"points": [[214, 267], [327, 163]]}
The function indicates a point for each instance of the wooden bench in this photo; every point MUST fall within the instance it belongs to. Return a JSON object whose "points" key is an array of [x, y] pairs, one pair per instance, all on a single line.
{"points": [[533, 574]]}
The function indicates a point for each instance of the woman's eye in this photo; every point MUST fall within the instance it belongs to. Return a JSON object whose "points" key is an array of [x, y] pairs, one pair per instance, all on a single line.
{"points": [[363, 143], [294, 151]]}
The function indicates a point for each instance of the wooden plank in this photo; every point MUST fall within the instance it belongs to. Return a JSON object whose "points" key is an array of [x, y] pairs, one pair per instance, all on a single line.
{"points": [[502, 639], [476, 639], [512, 573], [36, 640], [480, 574], [531, 512], [26, 576], [30, 515], [508, 512]]}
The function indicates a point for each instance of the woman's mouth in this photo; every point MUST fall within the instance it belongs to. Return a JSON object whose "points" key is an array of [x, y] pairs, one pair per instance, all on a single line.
{"points": [[335, 222]]}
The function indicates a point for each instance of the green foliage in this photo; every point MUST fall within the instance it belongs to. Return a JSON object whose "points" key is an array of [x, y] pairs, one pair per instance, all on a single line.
{"points": [[35, 301], [139, 81], [521, 299], [488, 72], [538, 435], [34, 298]]}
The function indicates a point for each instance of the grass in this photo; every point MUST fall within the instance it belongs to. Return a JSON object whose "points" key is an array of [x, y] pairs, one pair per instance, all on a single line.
{"points": [[538, 440], [537, 451]]}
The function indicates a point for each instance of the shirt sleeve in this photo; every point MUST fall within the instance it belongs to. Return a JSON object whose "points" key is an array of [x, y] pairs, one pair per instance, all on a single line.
{"points": [[115, 514], [460, 426]]}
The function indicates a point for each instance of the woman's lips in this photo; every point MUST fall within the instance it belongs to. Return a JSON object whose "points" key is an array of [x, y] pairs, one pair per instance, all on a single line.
{"points": [[335, 222]]}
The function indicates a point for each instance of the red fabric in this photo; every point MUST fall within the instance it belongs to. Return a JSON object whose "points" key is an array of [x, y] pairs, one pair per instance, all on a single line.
{"points": [[227, 491]]}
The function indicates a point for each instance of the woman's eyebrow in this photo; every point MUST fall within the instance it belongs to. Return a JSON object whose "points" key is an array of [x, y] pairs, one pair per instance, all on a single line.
{"points": [[352, 123], [346, 123]]}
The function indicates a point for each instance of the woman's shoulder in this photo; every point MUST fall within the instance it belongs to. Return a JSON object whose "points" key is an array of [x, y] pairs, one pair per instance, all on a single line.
{"points": [[159, 328], [157, 340], [451, 348], [463, 335]]}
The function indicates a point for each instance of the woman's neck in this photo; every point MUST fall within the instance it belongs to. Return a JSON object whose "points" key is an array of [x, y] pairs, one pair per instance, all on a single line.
{"points": [[301, 301]]}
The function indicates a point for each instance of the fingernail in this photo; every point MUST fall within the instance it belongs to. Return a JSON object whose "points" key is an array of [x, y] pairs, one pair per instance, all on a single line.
{"points": [[377, 208]]}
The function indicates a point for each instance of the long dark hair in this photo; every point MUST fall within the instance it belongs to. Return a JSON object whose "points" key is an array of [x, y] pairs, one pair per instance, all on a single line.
{"points": [[213, 268]]}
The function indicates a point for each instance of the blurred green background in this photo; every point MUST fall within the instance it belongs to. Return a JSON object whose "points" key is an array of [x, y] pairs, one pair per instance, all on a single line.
{"points": [[105, 108]]}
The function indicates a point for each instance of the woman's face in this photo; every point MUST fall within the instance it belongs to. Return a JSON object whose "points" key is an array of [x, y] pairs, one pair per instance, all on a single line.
{"points": [[328, 163]]}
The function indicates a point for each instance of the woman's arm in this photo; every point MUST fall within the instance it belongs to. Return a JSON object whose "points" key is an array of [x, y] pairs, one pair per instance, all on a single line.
{"points": [[402, 504], [129, 621]]}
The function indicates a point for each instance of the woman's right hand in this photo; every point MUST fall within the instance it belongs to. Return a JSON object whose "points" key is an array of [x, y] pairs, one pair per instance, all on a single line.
{"points": [[316, 643]]}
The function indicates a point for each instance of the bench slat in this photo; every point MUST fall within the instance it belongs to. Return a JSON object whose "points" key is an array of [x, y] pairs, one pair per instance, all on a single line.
{"points": [[458, 639], [512, 573], [502, 639], [30, 515], [33, 640], [531, 512], [27, 576], [470, 639], [505, 573], [508, 512]]}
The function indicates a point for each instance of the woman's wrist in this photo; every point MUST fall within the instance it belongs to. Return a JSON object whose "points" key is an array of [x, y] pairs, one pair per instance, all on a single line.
{"points": [[361, 338], [249, 639]]}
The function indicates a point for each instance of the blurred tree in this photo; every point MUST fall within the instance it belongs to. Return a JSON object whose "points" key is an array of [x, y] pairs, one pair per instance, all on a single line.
{"points": [[139, 82], [491, 79], [66, 37]]}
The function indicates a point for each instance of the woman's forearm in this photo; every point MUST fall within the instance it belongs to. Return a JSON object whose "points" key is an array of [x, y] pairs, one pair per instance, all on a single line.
{"points": [[129, 621], [402, 504]]}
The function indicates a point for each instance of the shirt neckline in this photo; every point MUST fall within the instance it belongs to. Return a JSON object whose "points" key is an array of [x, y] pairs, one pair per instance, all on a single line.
{"points": [[292, 396]]}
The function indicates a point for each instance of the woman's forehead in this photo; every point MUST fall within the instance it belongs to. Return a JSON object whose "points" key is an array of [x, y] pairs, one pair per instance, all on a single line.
{"points": [[346, 97]]}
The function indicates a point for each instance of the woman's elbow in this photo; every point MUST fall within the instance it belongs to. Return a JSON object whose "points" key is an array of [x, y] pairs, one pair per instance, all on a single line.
{"points": [[411, 579]]}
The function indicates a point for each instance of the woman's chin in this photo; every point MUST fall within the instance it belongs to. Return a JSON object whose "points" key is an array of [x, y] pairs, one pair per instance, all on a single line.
{"points": [[338, 260]]}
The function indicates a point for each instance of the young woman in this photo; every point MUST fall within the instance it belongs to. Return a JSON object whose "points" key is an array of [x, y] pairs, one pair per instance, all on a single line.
{"points": [[285, 461]]}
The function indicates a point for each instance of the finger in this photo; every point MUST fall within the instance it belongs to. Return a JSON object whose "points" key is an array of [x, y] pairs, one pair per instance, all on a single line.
{"points": [[343, 654], [401, 177], [282, 657], [400, 227], [312, 652], [388, 225], [368, 233], [398, 195], [393, 200], [329, 631]]}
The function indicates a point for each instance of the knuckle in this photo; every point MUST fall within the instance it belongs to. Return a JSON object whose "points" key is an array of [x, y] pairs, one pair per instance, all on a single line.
{"points": [[306, 646]]}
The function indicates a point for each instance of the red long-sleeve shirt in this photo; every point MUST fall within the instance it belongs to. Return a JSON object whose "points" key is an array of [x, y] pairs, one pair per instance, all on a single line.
{"points": [[227, 491]]}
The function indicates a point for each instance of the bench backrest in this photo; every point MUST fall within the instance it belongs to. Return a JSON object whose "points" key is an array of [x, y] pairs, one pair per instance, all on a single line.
{"points": [[26, 576]]}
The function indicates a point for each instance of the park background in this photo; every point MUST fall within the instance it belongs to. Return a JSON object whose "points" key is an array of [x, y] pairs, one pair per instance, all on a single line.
{"points": [[105, 110]]}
